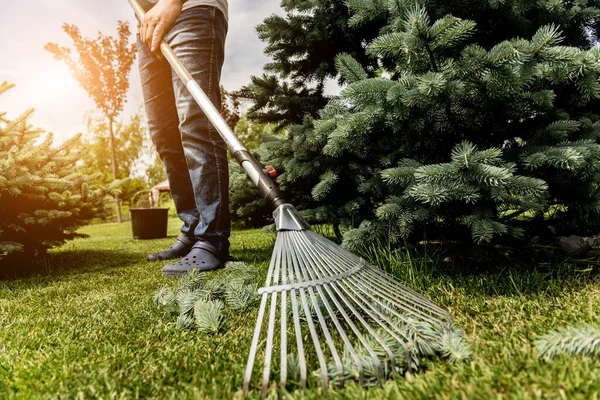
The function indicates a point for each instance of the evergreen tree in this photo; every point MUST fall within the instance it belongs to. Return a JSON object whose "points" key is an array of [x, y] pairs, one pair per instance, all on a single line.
{"points": [[458, 133], [500, 20], [303, 45], [246, 204], [43, 196], [230, 107]]}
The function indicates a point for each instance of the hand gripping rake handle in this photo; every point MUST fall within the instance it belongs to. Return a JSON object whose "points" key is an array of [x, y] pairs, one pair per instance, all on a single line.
{"points": [[254, 170]]}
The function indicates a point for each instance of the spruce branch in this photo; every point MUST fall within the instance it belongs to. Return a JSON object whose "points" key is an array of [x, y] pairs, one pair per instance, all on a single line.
{"points": [[5, 86], [350, 69], [577, 340], [431, 57], [453, 345], [208, 315], [186, 321], [240, 296]]}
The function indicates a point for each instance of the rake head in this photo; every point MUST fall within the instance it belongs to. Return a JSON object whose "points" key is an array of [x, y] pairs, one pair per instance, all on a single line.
{"points": [[322, 305]]}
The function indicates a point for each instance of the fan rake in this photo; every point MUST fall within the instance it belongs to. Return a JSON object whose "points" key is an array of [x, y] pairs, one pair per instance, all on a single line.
{"points": [[343, 300]]}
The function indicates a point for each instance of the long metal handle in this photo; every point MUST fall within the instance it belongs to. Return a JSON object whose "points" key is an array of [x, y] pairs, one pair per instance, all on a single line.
{"points": [[238, 150]]}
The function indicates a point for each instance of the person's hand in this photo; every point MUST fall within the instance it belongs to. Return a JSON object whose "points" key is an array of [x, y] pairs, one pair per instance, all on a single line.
{"points": [[158, 21]]}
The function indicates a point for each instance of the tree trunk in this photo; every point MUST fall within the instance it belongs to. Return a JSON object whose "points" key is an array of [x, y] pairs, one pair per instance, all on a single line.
{"points": [[337, 231], [114, 165]]}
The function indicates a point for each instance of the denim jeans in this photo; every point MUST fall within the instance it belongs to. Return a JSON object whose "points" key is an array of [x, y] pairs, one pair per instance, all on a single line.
{"points": [[192, 151]]}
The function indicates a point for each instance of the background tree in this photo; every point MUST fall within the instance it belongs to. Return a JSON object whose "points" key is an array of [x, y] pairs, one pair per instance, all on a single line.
{"points": [[303, 45], [252, 134], [230, 107], [129, 140], [462, 132], [101, 67], [155, 173], [246, 204], [44, 197]]}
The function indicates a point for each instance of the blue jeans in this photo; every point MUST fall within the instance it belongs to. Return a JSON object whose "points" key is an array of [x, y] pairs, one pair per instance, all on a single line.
{"points": [[192, 151]]}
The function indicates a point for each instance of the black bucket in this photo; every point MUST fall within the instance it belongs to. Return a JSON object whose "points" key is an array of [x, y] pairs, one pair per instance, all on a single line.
{"points": [[149, 223]]}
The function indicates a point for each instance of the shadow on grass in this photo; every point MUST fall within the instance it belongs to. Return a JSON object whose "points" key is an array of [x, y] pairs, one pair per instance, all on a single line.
{"points": [[66, 262], [502, 275], [252, 255], [252, 249]]}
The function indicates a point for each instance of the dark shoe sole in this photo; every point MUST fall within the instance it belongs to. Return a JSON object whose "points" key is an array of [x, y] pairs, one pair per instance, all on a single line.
{"points": [[179, 273]]}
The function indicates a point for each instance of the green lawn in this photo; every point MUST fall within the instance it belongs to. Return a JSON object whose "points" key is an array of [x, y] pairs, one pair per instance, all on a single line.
{"points": [[84, 326]]}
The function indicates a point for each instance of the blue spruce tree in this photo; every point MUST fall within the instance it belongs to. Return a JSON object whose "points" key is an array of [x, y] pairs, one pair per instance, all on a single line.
{"points": [[469, 130]]}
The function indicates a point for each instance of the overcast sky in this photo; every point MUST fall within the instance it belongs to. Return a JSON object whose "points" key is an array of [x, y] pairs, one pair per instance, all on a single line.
{"points": [[45, 84]]}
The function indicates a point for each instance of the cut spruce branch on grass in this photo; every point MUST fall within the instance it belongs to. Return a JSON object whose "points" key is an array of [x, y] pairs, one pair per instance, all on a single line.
{"points": [[424, 341], [577, 340], [203, 301]]}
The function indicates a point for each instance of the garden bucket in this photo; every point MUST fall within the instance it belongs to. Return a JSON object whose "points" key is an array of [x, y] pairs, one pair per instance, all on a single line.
{"points": [[148, 222]]}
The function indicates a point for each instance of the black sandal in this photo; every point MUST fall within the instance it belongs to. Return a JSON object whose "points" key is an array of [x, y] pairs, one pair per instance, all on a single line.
{"points": [[183, 244], [203, 257]]}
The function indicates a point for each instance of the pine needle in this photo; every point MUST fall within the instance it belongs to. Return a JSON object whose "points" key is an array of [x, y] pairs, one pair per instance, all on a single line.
{"points": [[185, 321]]}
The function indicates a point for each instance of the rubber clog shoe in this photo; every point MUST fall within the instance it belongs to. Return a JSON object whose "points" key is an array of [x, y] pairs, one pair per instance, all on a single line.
{"points": [[203, 257], [182, 246]]}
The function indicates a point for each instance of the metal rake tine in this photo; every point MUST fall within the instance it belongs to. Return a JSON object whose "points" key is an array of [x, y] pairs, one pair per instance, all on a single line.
{"points": [[308, 275], [259, 322], [310, 259], [387, 279], [355, 298], [341, 285], [393, 331], [384, 286], [283, 333], [408, 307], [366, 306], [297, 328], [342, 296], [254, 345], [419, 304], [321, 267], [367, 292], [350, 285], [271, 325], [382, 283], [422, 301], [320, 318], [309, 321], [389, 326]]}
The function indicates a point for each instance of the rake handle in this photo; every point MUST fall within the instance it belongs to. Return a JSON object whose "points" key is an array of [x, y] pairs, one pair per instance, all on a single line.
{"points": [[252, 167]]}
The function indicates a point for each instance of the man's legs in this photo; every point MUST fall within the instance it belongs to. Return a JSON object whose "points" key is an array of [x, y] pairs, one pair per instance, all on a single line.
{"points": [[193, 152], [163, 121], [198, 40]]}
